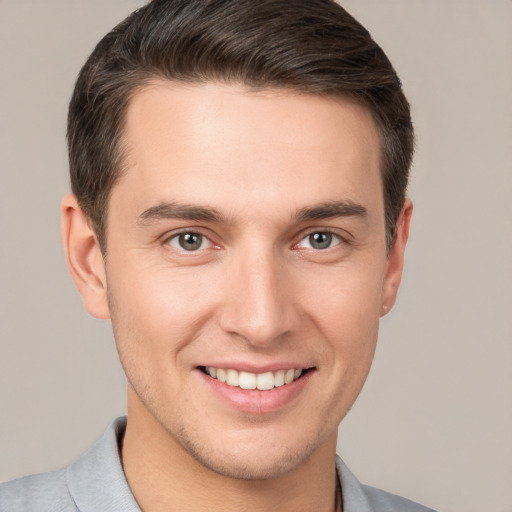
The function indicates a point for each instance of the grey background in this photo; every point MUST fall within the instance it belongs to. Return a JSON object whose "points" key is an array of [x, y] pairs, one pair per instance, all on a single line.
{"points": [[434, 421]]}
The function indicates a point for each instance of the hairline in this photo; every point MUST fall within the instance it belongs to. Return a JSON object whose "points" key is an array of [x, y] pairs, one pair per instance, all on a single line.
{"points": [[154, 78]]}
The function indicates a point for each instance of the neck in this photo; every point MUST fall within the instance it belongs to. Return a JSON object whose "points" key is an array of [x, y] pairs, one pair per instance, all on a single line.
{"points": [[163, 476]]}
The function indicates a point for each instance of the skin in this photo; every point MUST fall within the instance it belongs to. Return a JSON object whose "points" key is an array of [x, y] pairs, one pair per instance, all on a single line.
{"points": [[256, 293]]}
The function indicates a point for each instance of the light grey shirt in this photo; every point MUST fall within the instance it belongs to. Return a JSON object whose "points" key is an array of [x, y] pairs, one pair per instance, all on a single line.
{"points": [[96, 483]]}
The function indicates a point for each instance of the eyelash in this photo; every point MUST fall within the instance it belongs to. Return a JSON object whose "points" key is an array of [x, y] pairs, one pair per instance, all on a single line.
{"points": [[332, 237], [177, 236]]}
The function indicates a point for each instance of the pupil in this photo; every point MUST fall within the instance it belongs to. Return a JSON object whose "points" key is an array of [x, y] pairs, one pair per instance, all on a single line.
{"points": [[320, 240], [190, 241]]}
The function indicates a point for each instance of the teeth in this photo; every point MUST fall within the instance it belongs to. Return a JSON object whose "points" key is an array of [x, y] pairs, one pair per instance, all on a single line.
{"points": [[265, 381], [279, 378], [247, 380], [232, 378], [288, 376]]}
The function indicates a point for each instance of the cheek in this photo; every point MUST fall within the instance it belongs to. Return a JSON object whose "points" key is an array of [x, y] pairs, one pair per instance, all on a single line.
{"points": [[346, 298], [347, 313], [158, 309]]}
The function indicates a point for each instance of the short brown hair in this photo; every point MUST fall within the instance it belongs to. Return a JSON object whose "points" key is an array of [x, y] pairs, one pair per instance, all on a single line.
{"points": [[312, 46]]}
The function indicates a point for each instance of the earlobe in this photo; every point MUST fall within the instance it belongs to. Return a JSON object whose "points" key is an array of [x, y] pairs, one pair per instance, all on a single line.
{"points": [[395, 263], [84, 258]]}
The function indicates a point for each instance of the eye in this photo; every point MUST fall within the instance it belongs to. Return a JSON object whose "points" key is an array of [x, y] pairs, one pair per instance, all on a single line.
{"points": [[319, 240], [189, 241]]}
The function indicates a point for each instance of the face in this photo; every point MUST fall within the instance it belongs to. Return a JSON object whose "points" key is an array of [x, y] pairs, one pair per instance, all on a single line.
{"points": [[246, 270]]}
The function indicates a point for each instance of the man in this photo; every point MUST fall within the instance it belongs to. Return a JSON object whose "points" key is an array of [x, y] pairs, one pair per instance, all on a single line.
{"points": [[239, 171]]}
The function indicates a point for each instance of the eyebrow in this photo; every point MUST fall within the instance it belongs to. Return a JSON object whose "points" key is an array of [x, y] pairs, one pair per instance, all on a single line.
{"points": [[173, 210], [331, 210]]}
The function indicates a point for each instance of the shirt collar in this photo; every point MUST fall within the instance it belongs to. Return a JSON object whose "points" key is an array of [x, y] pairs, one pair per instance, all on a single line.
{"points": [[96, 480], [354, 498]]}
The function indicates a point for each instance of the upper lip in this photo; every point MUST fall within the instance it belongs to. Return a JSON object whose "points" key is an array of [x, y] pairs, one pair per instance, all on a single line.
{"points": [[253, 368]]}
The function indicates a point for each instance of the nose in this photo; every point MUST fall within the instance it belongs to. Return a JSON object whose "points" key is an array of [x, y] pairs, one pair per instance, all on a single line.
{"points": [[259, 299]]}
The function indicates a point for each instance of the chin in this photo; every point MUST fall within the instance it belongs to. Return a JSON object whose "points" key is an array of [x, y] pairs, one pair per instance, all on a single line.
{"points": [[246, 467], [243, 462]]}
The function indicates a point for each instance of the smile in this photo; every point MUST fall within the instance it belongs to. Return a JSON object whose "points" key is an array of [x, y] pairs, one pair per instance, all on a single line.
{"points": [[261, 381]]}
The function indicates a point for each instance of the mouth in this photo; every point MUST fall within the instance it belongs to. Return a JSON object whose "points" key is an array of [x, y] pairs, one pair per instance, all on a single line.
{"points": [[260, 381]]}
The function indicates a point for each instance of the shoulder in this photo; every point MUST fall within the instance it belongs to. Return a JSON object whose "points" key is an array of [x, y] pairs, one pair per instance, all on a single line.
{"points": [[46, 492], [94, 482], [363, 498], [383, 501]]}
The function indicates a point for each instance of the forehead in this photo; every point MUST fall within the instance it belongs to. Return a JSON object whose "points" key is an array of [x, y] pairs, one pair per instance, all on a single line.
{"points": [[204, 143]]}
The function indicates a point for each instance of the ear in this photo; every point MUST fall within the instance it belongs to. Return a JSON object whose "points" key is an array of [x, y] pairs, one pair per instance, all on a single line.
{"points": [[84, 258], [395, 263]]}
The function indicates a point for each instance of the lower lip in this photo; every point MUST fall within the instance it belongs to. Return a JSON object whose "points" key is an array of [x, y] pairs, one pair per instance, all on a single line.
{"points": [[254, 400]]}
